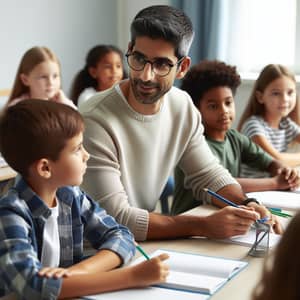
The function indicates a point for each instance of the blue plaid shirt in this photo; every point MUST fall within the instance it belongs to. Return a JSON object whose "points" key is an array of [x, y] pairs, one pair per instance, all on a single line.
{"points": [[22, 218]]}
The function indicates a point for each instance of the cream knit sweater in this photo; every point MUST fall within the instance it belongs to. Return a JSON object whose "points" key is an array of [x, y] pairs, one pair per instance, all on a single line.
{"points": [[132, 155]]}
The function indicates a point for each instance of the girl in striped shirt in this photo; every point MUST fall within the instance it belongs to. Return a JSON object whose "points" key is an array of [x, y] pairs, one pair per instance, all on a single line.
{"points": [[271, 117]]}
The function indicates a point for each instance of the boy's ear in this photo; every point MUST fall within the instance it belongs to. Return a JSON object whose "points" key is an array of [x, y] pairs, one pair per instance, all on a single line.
{"points": [[258, 96], [24, 79], [183, 67], [43, 168]]}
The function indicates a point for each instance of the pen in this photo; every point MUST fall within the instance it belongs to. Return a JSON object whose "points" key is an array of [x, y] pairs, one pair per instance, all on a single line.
{"points": [[230, 203], [141, 250], [279, 213]]}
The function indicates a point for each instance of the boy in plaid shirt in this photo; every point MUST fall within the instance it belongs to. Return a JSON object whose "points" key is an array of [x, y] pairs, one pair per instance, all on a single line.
{"points": [[45, 216]]}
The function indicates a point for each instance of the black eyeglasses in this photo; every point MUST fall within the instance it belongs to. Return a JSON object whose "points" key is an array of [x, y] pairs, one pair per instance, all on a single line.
{"points": [[160, 66]]}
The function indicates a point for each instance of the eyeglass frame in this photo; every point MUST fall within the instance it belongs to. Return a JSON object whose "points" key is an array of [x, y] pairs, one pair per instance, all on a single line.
{"points": [[171, 65]]}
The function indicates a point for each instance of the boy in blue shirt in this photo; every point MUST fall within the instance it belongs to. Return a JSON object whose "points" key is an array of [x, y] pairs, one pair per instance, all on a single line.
{"points": [[45, 216], [212, 86]]}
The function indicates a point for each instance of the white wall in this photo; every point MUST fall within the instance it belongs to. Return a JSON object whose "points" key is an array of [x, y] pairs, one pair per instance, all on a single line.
{"points": [[68, 27], [127, 9]]}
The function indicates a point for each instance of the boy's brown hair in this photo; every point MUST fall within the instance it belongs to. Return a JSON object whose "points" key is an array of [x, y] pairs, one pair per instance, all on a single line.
{"points": [[35, 129]]}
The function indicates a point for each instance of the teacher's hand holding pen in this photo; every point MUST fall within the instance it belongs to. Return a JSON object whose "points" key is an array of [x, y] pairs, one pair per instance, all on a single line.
{"points": [[230, 221], [265, 215]]}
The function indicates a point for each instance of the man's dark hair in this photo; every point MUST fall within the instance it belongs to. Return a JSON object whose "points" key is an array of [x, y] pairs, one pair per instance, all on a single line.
{"points": [[35, 129], [207, 75], [164, 22]]}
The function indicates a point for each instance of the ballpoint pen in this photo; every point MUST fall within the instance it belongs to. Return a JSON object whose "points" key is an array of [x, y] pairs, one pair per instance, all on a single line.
{"points": [[221, 198]]}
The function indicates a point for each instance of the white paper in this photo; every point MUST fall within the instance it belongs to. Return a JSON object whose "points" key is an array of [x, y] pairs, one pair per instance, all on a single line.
{"points": [[195, 272], [278, 199], [148, 293]]}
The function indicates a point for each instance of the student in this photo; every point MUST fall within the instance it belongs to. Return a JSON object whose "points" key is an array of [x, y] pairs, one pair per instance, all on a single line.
{"points": [[103, 68], [266, 118], [138, 131], [44, 218], [280, 279], [39, 77], [212, 86]]}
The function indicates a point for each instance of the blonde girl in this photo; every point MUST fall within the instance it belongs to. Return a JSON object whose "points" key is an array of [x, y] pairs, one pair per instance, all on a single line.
{"points": [[103, 68], [38, 77], [271, 117]]}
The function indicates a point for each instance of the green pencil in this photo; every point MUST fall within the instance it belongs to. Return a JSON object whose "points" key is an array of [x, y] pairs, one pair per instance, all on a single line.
{"points": [[141, 250], [279, 213]]}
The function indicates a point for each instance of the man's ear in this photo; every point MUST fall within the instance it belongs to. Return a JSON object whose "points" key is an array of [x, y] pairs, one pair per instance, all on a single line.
{"points": [[130, 46], [183, 67], [43, 168], [258, 96], [24, 79]]}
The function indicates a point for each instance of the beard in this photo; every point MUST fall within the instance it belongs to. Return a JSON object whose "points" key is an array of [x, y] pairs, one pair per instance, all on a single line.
{"points": [[147, 92]]}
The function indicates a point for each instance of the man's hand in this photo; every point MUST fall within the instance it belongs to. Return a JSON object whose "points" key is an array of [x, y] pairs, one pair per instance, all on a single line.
{"points": [[230, 221]]}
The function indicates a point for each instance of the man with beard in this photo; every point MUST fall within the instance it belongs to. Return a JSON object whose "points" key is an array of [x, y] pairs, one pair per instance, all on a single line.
{"points": [[139, 130]]}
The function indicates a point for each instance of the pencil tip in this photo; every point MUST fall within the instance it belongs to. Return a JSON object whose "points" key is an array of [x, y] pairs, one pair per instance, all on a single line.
{"points": [[205, 189]]}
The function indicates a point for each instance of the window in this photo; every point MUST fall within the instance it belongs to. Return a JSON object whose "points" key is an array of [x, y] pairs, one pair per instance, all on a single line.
{"points": [[260, 32]]}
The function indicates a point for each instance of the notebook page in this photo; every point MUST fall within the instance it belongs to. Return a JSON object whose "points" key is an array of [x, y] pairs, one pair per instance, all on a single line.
{"points": [[149, 293], [198, 264], [283, 200], [193, 282]]}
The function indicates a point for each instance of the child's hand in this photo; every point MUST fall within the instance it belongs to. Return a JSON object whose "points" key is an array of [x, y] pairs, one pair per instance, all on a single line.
{"points": [[59, 97], [54, 272], [288, 178], [151, 271]]}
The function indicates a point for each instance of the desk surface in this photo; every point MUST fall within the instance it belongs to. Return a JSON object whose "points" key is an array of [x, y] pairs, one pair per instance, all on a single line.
{"points": [[7, 173], [239, 287]]}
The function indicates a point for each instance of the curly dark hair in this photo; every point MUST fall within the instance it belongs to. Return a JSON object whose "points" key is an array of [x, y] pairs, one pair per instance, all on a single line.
{"points": [[207, 75]]}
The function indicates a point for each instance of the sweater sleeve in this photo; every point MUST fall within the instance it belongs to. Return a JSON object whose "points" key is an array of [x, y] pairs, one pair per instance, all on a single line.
{"points": [[103, 183]]}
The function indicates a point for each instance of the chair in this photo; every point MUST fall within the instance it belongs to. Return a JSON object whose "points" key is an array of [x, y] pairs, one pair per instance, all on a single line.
{"points": [[164, 197]]}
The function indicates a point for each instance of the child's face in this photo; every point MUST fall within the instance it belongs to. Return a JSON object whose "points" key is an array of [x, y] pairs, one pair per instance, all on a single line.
{"points": [[43, 81], [218, 111], [279, 97], [71, 165], [108, 71]]}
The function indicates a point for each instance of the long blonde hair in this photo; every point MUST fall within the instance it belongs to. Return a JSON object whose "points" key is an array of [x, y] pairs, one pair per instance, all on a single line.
{"points": [[268, 74], [29, 61]]}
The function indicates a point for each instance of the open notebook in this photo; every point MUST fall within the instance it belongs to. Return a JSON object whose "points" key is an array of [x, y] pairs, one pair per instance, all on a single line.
{"points": [[198, 273], [283, 200], [148, 293]]}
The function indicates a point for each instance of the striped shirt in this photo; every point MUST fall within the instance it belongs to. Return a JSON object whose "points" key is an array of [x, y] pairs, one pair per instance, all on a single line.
{"points": [[280, 137], [22, 219]]}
